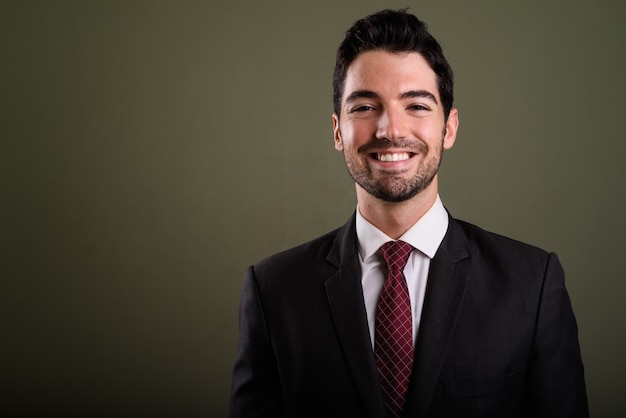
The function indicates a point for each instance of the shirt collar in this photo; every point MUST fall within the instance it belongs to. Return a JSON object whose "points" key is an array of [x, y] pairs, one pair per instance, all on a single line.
{"points": [[425, 235]]}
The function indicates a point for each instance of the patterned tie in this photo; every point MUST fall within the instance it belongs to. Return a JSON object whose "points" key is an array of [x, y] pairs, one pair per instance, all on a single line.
{"points": [[394, 329]]}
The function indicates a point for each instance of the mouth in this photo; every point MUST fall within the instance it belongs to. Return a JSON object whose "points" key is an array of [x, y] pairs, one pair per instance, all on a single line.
{"points": [[391, 156]]}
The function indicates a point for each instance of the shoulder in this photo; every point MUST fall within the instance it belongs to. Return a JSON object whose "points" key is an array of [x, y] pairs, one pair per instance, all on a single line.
{"points": [[294, 277], [308, 264], [480, 237], [311, 252], [325, 253], [502, 252], [499, 265]]}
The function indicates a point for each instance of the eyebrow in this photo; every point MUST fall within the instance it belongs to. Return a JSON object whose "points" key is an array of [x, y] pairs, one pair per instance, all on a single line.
{"points": [[419, 93], [362, 94], [368, 94]]}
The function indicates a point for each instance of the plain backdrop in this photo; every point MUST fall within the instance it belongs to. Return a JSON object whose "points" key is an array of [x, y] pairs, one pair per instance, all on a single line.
{"points": [[152, 150]]}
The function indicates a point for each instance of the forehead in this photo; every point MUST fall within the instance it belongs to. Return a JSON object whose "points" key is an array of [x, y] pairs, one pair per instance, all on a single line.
{"points": [[390, 73]]}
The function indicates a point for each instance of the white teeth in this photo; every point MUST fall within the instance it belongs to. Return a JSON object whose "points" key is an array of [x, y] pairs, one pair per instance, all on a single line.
{"points": [[393, 157]]}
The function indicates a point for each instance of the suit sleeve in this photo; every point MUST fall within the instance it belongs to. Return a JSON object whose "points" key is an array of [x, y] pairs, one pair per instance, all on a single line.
{"points": [[555, 385], [256, 389]]}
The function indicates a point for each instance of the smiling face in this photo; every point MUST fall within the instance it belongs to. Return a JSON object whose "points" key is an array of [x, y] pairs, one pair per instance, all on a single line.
{"points": [[392, 129]]}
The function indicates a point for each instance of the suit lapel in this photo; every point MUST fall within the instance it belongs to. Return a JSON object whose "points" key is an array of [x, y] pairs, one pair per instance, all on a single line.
{"points": [[447, 280], [345, 296]]}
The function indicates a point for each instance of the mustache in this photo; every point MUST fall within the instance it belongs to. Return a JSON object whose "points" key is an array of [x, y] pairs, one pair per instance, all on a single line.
{"points": [[377, 144]]}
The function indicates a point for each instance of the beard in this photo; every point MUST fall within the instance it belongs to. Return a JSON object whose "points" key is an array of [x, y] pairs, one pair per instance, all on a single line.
{"points": [[394, 187]]}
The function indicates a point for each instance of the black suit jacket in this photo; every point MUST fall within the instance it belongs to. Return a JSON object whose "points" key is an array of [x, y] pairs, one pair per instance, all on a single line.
{"points": [[497, 336]]}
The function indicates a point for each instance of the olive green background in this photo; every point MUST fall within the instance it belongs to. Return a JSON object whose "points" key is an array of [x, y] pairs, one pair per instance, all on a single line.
{"points": [[151, 151]]}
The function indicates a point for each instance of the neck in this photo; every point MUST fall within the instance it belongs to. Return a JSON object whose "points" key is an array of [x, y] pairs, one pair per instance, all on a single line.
{"points": [[395, 218]]}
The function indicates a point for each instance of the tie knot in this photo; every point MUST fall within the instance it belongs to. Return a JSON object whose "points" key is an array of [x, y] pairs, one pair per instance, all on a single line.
{"points": [[396, 254]]}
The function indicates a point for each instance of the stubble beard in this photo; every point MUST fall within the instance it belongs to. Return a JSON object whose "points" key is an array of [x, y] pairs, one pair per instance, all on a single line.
{"points": [[394, 188]]}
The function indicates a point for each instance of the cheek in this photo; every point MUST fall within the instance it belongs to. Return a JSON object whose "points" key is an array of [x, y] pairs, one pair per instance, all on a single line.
{"points": [[355, 135], [433, 136]]}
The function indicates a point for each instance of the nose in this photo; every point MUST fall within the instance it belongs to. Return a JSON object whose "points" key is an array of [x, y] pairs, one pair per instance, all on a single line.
{"points": [[392, 125]]}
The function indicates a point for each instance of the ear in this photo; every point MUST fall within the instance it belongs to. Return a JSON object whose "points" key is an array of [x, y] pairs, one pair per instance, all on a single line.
{"points": [[452, 127], [337, 133]]}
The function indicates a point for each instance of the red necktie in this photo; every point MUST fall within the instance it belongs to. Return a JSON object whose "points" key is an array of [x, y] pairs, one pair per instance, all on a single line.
{"points": [[393, 344]]}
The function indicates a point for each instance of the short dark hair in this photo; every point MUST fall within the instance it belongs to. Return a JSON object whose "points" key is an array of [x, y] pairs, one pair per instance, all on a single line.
{"points": [[393, 31]]}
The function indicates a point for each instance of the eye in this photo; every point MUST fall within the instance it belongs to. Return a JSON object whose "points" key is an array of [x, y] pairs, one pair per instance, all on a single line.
{"points": [[362, 108], [418, 107]]}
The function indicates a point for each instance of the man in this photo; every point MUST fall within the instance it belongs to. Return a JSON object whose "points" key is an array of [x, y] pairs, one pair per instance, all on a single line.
{"points": [[404, 311]]}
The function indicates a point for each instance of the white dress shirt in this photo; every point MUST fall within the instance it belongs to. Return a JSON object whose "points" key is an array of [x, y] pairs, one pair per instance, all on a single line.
{"points": [[425, 236]]}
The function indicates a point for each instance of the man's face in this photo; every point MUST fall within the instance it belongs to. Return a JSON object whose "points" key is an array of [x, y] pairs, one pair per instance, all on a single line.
{"points": [[392, 129]]}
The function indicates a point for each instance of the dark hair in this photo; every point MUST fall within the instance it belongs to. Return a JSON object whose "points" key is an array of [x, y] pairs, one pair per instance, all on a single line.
{"points": [[393, 31]]}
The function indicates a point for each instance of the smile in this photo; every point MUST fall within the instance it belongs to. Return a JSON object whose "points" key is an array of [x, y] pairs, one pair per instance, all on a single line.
{"points": [[391, 156]]}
